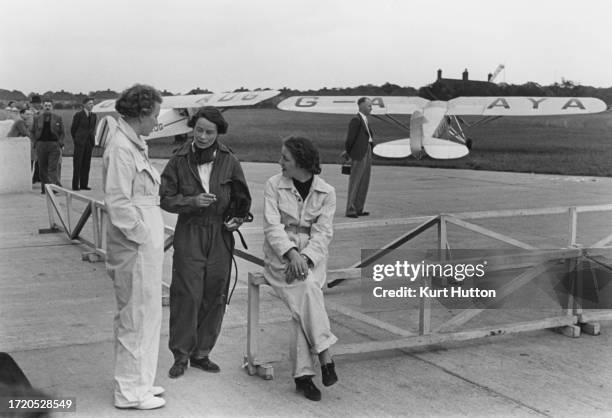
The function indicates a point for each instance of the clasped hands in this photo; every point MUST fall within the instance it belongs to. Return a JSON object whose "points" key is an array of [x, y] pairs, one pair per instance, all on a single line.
{"points": [[297, 269]]}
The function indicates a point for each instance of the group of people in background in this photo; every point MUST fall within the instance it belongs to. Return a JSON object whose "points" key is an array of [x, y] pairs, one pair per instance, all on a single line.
{"points": [[47, 135]]}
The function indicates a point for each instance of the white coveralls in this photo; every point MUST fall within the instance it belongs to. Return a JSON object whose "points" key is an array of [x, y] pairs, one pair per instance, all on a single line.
{"points": [[306, 225], [135, 255]]}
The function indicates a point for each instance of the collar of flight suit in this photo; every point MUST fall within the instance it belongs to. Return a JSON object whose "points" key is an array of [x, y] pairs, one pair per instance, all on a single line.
{"points": [[186, 148], [131, 134], [317, 184]]}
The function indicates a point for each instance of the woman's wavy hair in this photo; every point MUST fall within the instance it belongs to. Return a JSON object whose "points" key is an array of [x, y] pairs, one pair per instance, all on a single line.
{"points": [[304, 153], [211, 114], [138, 100]]}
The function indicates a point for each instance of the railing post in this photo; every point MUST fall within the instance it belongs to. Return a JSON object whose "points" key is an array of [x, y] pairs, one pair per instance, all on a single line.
{"points": [[95, 224], [573, 224], [252, 322], [425, 309], [68, 213], [442, 237], [50, 210]]}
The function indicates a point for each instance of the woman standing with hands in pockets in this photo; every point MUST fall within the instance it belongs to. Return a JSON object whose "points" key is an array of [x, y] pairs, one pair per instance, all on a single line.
{"points": [[135, 247], [299, 208]]}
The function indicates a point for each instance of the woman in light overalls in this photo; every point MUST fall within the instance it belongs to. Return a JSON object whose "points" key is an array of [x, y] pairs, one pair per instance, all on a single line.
{"points": [[135, 247], [299, 209]]}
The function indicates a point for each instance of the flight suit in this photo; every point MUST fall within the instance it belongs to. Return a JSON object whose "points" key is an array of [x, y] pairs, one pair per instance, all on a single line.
{"points": [[135, 256], [306, 225], [203, 247]]}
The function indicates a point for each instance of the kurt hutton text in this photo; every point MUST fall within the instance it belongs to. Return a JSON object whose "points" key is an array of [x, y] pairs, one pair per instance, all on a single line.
{"points": [[427, 292]]}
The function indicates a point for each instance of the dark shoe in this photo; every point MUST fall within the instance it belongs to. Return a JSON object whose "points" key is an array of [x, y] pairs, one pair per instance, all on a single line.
{"points": [[304, 385], [76, 189], [205, 364], [363, 213], [352, 215], [328, 374], [177, 369], [85, 188]]}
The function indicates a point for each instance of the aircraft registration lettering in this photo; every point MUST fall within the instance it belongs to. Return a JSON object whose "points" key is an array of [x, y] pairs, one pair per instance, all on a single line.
{"points": [[499, 102], [203, 100], [535, 102], [248, 96], [306, 101], [227, 97], [573, 103], [158, 127], [378, 101]]}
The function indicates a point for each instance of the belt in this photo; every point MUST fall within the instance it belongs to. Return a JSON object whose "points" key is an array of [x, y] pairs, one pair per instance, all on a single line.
{"points": [[146, 200], [298, 229], [206, 220]]}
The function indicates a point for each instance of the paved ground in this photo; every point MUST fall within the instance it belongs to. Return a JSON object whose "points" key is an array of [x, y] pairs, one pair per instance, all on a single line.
{"points": [[56, 314]]}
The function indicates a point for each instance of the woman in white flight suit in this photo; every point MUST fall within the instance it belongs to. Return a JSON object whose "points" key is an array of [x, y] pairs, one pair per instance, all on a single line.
{"points": [[135, 247], [299, 208]]}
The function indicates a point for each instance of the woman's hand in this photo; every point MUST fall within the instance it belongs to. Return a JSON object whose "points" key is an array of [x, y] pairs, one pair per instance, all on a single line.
{"points": [[204, 200], [297, 268], [233, 224]]}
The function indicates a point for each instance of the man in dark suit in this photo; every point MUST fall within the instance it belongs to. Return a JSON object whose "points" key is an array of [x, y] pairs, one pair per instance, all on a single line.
{"points": [[48, 134], [83, 130], [358, 149]]}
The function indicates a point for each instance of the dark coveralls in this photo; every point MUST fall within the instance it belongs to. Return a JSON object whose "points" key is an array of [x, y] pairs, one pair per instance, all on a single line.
{"points": [[203, 247]]}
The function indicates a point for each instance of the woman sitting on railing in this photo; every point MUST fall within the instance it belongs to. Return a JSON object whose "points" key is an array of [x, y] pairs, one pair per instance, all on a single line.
{"points": [[299, 208]]}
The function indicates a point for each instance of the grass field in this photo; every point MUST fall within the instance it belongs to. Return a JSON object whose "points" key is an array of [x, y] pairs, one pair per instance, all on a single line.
{"points": [[579, 145]]}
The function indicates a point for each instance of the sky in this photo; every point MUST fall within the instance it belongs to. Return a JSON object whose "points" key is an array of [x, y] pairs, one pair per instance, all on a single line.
{"points": [[178, 45]]}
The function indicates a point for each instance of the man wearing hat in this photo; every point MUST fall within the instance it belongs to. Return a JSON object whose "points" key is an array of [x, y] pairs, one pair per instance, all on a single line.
{"points": [[203, 182]]}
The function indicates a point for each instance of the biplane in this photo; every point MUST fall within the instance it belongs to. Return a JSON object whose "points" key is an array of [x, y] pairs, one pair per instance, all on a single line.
{"points": [[176, 110], [437, 128]]}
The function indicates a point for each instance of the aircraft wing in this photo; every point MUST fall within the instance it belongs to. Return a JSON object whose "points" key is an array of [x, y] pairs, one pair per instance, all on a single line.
{"points": [[524, 106], [347, 105], [245, 98]]}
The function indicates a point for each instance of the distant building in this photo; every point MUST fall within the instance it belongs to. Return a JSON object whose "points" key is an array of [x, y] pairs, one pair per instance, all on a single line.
{"points": [[464, 81], [449, 88]]}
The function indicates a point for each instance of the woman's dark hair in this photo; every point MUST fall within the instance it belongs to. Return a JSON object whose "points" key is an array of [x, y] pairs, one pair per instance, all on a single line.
{"points": [[211, 114], [304, 153], [138, 100]]}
